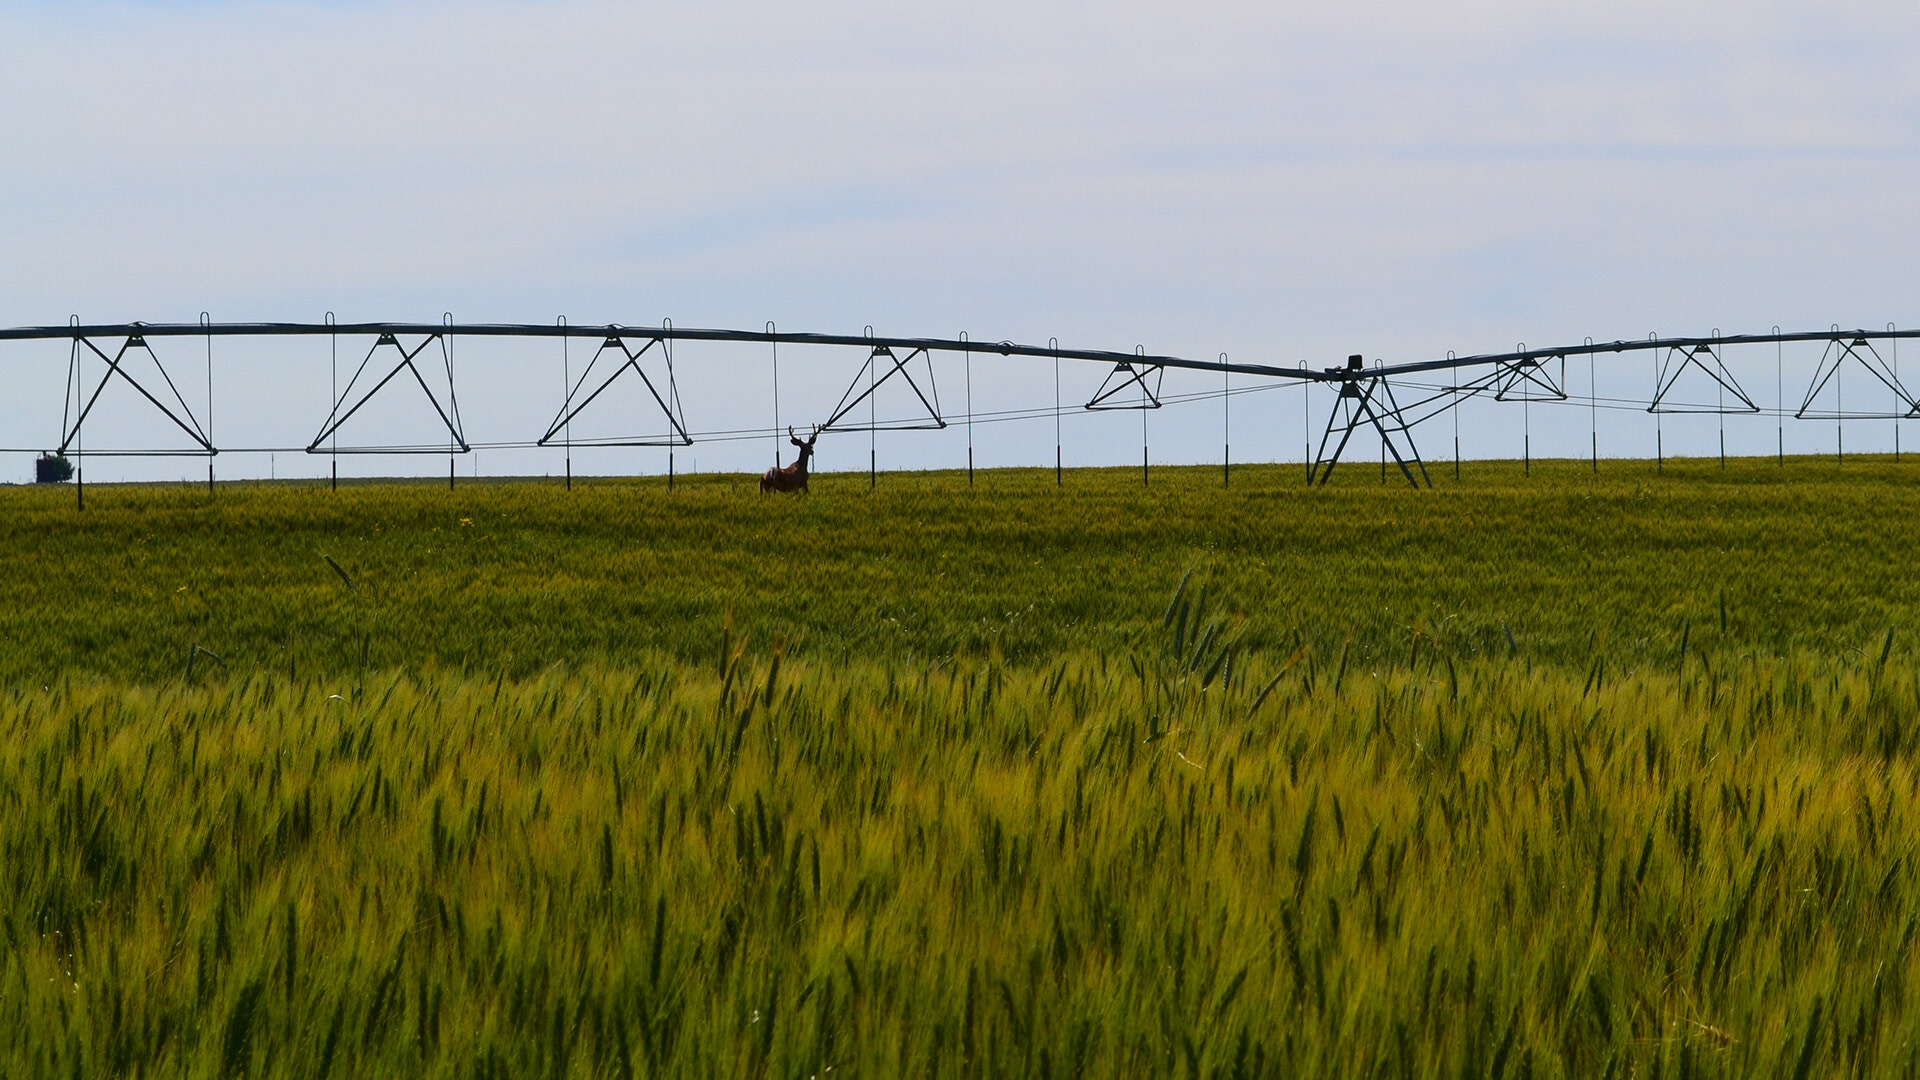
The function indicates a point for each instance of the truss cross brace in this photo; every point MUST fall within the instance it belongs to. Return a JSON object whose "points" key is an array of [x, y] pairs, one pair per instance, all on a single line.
{"points": [[182, 419], [896, 365], [449, 414], [669, 402], [1127, 374], [1675, 364], [1528, 374], [1859, 349]]}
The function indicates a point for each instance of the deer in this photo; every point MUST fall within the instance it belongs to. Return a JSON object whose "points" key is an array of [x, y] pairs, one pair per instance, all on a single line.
{"points": [[792, 477]]}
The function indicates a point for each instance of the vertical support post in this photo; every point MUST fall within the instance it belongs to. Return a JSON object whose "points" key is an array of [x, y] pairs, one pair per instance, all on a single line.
{"points": [[1453, 377], [1526, 420], [1839, 409], [446, 319], [79, 436], [1306, 423], [873, 425], [1659, 435], [1141, 350], [566, 395], [775, 344], [1721, 389], [1058, 457], [1226, 424], [666, 346], [1893, 347], [968, 353], [1593, 404], [333, 411], [1780, 396], [206, 319]]}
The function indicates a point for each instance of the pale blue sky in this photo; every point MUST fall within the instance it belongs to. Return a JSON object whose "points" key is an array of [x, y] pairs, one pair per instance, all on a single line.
{"points": [[1282, 182]]}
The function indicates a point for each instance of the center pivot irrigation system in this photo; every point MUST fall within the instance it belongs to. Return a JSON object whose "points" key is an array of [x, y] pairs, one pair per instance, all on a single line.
{"points": [[1689, 375]]}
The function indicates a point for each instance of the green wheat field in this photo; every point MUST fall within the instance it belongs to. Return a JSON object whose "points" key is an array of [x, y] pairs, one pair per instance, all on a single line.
{"points": [[1559, 775]]}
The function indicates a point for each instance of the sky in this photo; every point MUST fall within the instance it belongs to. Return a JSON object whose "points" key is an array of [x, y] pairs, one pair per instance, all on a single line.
{"points": [[1284, 183]]}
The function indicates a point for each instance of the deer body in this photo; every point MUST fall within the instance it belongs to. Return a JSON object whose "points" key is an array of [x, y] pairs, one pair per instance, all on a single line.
{"points": [[792, 477]]}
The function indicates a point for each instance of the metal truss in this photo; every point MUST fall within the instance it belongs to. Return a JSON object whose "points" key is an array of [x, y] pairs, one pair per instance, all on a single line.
{"points": [[1367, 400], [1370, 400], [895, 365], [449, 413], [1858, 348], [1516, 380], [1677, 361], [1390, 399], [133, 345], [668, 403], [1129, 373]]}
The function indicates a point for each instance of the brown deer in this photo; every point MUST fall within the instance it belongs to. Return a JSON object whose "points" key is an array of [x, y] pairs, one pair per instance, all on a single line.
{"points": [[793, 477]]}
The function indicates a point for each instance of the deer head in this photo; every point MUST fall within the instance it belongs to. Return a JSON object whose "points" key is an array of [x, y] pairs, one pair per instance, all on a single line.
{"points": [[807, 443]]}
